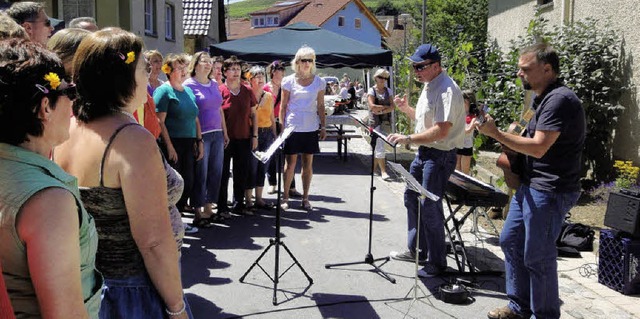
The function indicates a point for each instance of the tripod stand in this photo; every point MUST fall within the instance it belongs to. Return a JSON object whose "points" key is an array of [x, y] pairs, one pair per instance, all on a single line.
{"points": [[368, 259], [276, 242], [423, 194]]}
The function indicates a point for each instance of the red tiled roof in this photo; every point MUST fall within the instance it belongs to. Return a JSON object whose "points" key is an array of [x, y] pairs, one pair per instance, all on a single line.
{"points": [[317, 12]]}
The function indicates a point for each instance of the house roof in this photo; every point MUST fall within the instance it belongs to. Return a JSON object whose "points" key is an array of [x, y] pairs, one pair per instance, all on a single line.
{"points": [[284, 5], [320, 11], [197, 16], [316, 12]]}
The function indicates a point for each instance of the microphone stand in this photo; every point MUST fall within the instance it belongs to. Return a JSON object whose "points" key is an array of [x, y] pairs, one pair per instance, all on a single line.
{"points": [[277, 242], [368, 259]]}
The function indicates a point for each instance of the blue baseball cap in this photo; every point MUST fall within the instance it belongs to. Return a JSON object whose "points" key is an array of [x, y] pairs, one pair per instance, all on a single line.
{"points": [[425, 52]]}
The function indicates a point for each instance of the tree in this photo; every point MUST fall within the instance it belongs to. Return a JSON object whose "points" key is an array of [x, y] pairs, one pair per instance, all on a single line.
{"points": [[386, 8]]}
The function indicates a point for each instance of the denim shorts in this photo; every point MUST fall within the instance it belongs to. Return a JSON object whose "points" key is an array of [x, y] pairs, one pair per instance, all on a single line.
{"points": [[132, 298]]}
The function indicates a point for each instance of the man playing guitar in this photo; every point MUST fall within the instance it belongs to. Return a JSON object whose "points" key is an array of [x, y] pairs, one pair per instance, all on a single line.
{"points": [[550, 185]]}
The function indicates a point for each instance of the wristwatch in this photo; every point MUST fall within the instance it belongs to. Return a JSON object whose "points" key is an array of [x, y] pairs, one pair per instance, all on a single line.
{"points": [[408, 139]]}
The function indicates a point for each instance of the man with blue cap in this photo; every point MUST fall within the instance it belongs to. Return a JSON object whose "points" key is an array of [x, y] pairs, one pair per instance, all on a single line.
{"points": [[440, 120]]}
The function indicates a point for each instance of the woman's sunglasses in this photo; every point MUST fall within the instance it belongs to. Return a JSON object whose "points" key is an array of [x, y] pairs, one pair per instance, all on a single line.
{"points": [[306, 60], [71, 92]]}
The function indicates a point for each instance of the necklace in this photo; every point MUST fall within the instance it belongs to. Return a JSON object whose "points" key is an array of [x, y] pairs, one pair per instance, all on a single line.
{"points": [[129, 115]]}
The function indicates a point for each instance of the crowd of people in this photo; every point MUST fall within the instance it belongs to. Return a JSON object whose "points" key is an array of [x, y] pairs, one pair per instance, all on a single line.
{"points": [[100, 157], [119, 164]]}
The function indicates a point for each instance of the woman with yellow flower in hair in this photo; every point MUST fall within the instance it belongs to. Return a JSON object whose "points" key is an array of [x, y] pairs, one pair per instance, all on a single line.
{"points": [[49, 240], [177, 110], [125, 184]]}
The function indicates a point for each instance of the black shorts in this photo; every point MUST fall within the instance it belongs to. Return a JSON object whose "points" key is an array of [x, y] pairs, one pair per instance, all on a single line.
{"points": [[465, 151], [302, 143]]}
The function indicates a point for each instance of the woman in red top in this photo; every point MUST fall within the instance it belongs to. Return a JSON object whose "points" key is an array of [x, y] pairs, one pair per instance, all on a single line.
{"points": [[239, 107]]}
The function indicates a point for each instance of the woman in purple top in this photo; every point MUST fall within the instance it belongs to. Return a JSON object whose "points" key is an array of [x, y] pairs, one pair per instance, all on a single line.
{"points": [[214, 135]]}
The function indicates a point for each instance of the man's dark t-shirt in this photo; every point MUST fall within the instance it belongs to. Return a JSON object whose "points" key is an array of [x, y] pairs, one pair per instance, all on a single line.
{"points": [[557, 109]]}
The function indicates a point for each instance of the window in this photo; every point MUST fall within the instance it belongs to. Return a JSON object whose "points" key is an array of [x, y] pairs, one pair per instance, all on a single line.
{"points": [[169, 24], [150, 17], [261, 21], [73, 8], [255, 22], [276, 21], [357, 23], [341, 21]]}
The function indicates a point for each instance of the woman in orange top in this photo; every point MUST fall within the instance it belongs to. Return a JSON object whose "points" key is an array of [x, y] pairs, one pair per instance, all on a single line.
{"points": [[266, 134]]}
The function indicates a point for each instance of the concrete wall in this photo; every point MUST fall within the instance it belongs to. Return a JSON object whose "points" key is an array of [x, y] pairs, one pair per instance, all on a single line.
{"points": [[367, 33], [509, 18], [159, 43]]}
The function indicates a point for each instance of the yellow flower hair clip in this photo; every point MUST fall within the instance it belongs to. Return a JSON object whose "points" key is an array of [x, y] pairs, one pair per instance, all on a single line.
{"points": [[166, 68], [130, 57], [247, 75], [53, 79]]}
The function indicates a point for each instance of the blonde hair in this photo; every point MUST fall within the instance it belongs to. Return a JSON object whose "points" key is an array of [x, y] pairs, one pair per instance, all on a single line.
{"points": [[153, 53], [304, 52]]}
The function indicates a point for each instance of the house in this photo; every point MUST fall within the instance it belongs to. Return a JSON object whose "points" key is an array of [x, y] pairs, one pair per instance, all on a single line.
{"points": [[350, 18], [202, 25], [510, 18], [158, 22]]}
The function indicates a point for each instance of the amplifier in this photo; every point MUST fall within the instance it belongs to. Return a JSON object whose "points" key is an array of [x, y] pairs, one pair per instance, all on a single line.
{"points": [[619, 262], [623, 212]]}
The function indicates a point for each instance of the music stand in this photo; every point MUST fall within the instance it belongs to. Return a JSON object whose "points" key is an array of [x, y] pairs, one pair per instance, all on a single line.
{"points": [[423, 194], [277, 242], [368, 259]]}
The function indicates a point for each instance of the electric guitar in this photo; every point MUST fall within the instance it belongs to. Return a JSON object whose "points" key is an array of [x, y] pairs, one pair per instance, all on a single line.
{"points": [[510, 161]]}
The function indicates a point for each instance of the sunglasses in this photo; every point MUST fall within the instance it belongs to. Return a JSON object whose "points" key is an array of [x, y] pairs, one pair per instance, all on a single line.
{"points": [[71, 92], [47, 23], [306, 60], [421, 67]]}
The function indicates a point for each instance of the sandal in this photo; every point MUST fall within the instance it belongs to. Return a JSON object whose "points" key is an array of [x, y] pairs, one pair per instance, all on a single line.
{"points": [[284, 205], [264, 205], [294, 193], [306, 205], [202, 223], [215, 218]]}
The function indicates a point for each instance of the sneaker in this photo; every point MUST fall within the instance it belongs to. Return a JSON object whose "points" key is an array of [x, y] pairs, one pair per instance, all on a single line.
{"points": [[430, 271], [385, 176], [504, 313], [272, 189], [406, 255], [188, 229]]}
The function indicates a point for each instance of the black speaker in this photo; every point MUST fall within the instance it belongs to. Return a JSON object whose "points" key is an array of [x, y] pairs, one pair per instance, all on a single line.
{"points": [[623, 212]]}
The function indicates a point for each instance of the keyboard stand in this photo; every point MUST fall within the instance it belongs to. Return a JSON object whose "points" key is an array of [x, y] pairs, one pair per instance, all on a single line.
{"points": [[457, 246]]}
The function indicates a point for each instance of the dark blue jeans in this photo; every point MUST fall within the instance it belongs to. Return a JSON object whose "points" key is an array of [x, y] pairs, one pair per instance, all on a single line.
{"points": [[432, 168], [206, 188], [528, 241]]}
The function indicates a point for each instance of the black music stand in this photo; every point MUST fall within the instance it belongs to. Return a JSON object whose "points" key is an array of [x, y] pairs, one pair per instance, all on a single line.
{"points": [[264, 157], [423, 194], [368, 259]]}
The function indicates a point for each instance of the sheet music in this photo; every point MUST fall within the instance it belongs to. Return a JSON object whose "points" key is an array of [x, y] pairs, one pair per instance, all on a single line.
{"points": [[384, 137], [412, 183], [265, 156]]}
